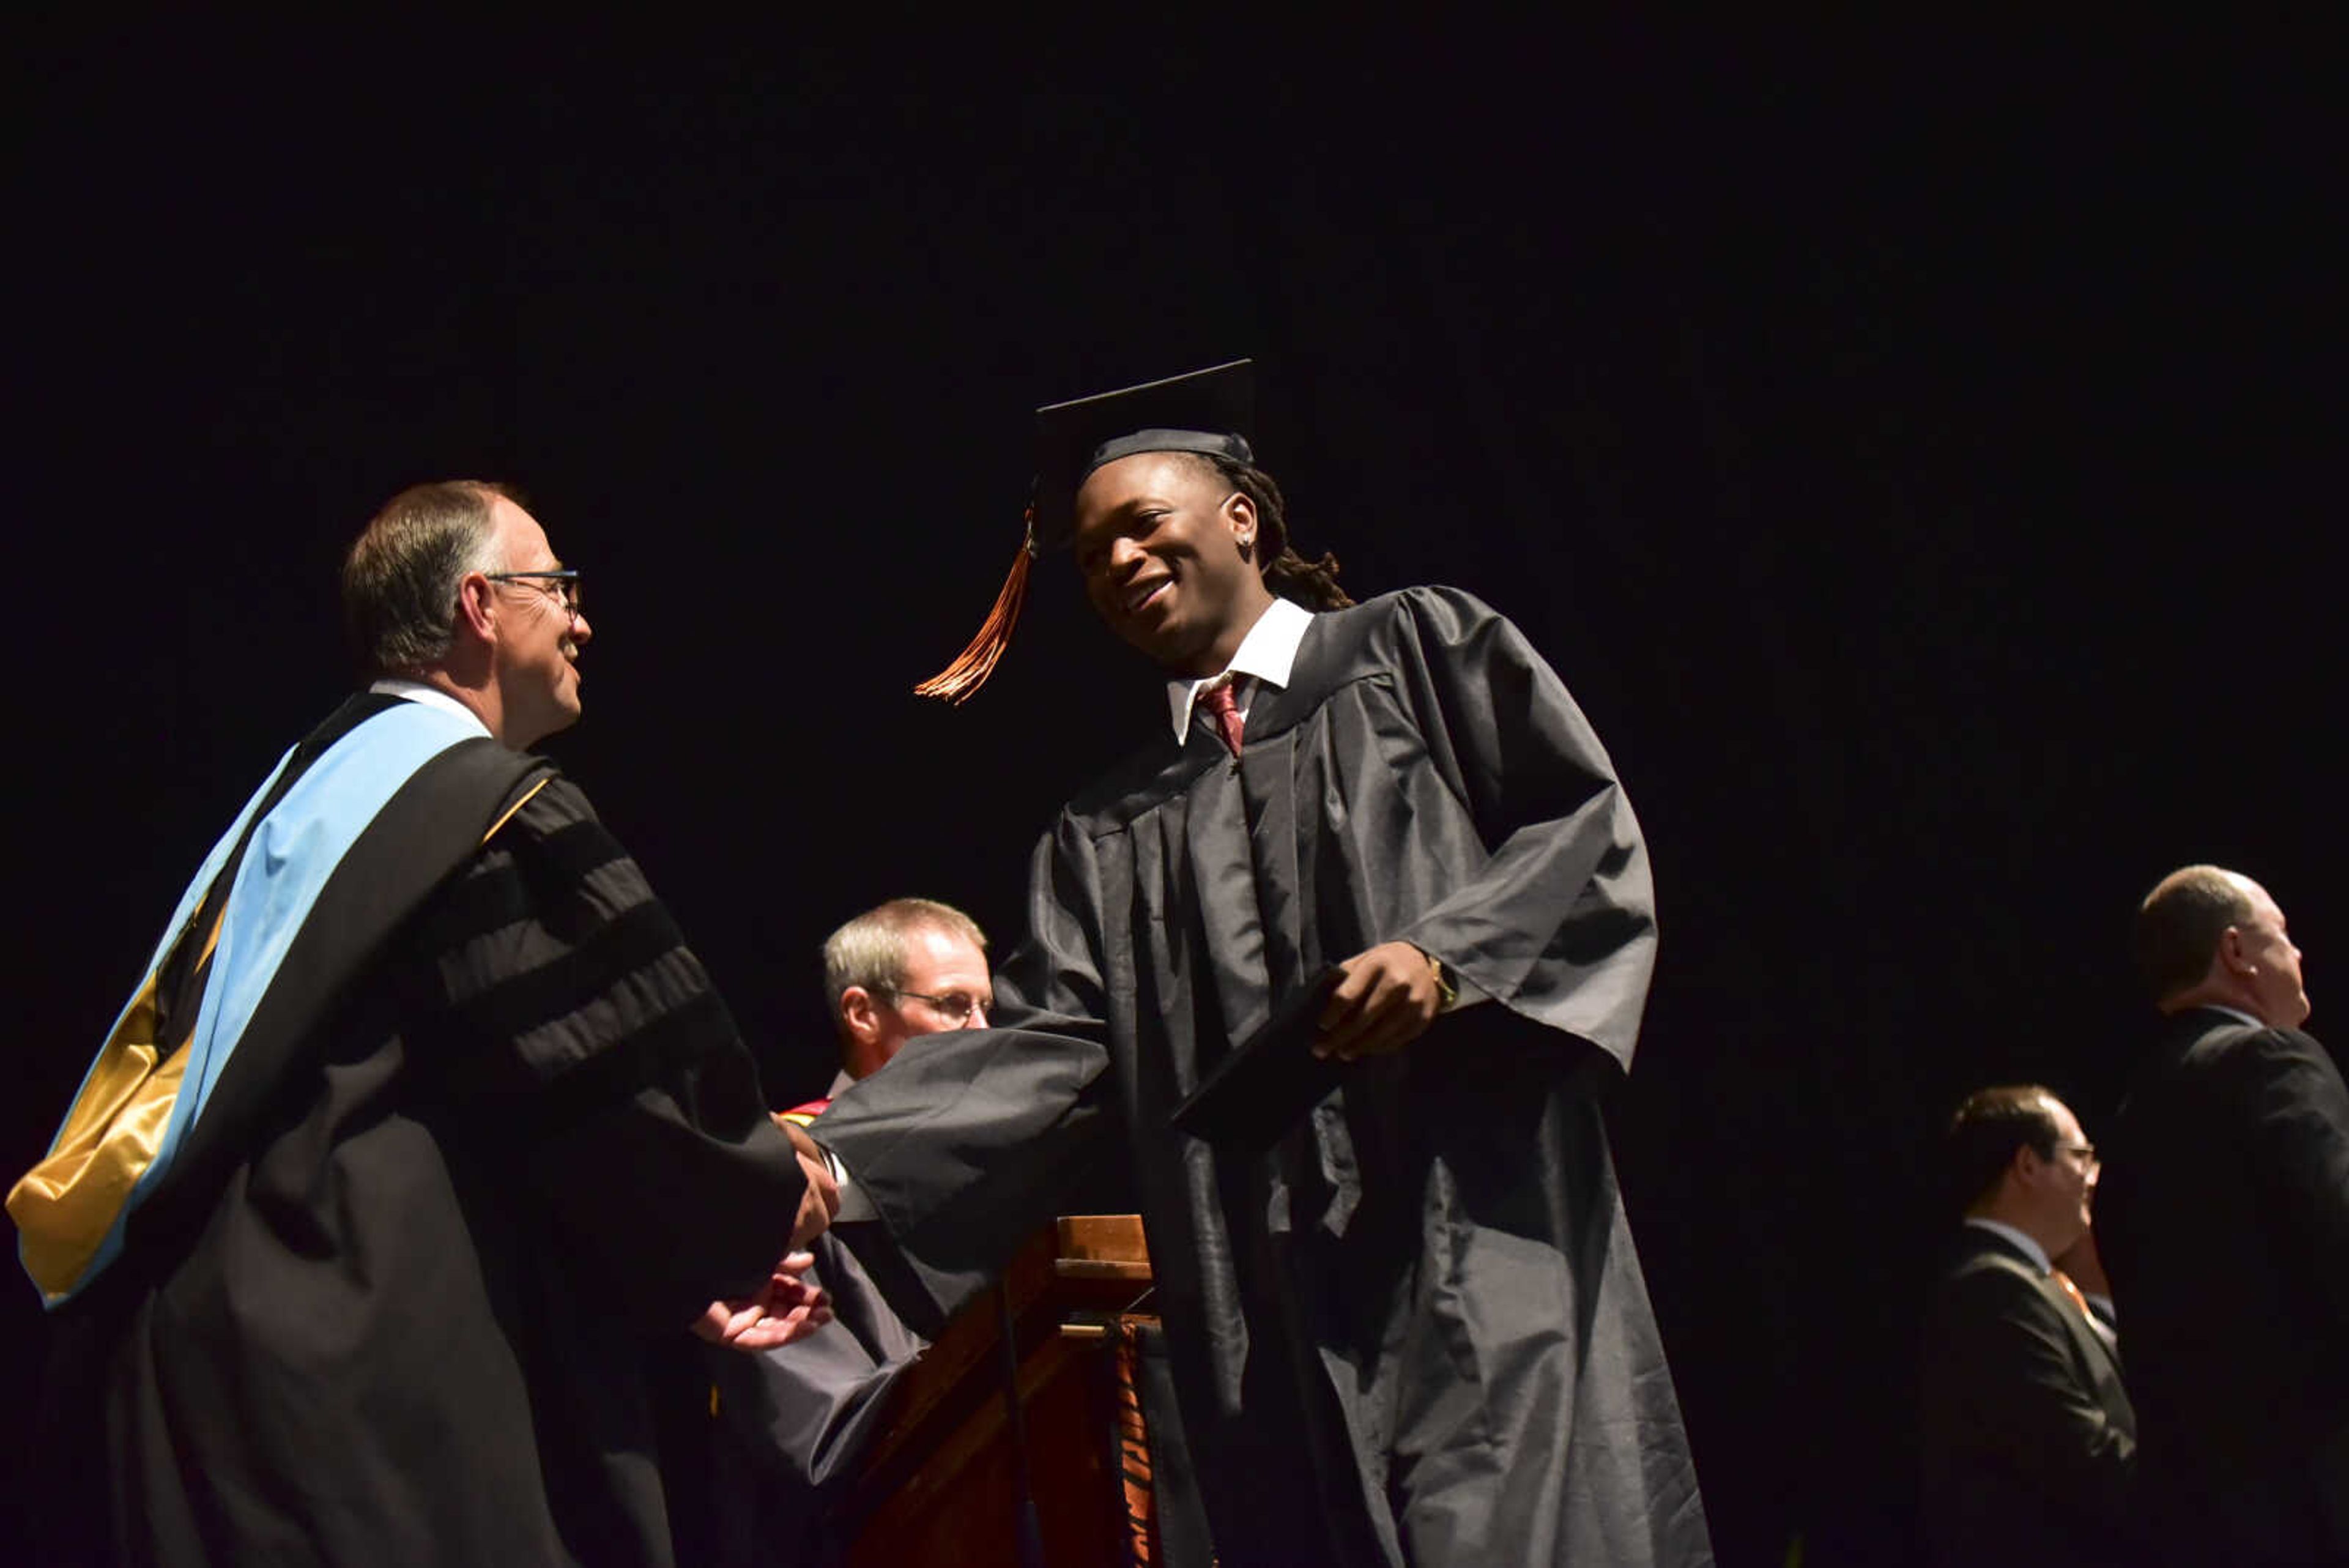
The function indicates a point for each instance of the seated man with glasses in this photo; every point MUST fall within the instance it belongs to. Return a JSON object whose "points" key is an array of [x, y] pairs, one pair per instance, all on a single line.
{"points": [[2028, 1440], [910, 967], [792, 1424]]}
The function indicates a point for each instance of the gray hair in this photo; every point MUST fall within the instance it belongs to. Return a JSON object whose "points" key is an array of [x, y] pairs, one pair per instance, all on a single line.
{"points": [[870, 950], [400, 576]]}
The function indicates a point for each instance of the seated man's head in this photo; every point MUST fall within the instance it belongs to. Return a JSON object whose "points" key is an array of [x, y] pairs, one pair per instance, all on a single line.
{"points": [[2208, 936], [912, 966], [454, 585], [2016, 1154]]}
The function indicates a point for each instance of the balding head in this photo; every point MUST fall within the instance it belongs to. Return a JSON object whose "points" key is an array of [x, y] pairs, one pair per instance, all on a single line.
{"points": [[2206, 935]]}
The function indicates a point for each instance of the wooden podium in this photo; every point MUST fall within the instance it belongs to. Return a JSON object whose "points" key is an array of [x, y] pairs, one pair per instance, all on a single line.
{"points": [[942, 1481]]}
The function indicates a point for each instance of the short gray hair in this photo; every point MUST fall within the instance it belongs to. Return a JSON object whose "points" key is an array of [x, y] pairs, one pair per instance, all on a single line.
{"points": [[400, 575], [870, 950]]}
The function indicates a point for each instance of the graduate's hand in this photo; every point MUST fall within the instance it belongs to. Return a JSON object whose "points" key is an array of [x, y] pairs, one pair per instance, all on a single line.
{"points": [[821, 1201], [802, 1140], [1387, 1000], [788, 1308]]}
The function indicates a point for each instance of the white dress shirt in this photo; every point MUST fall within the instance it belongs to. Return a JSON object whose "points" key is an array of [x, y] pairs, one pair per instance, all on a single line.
{"points": [[432, 697], [1268, 653]]}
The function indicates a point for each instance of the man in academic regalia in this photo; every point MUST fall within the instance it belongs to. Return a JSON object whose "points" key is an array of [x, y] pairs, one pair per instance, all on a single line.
{"points": [[1413, 1329], [425, 1125], [2224, 1218]]}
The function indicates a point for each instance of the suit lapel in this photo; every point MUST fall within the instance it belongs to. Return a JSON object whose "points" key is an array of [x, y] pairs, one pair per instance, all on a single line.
{"points": [[2075, 1322]]}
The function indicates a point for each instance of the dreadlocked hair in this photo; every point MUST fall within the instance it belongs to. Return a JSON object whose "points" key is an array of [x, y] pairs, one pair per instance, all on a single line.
{"points": [[1313, 584]]}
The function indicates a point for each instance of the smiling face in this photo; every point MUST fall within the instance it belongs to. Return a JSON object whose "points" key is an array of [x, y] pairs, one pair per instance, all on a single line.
{"points": [[2061, 1189], [1168, 554], [538, 638]]}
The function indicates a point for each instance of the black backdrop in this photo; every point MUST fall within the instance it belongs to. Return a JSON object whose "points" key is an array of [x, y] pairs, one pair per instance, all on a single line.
{"points": [[1918, 453]]}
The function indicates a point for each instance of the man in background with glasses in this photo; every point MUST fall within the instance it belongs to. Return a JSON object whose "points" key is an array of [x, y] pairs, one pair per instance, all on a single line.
{"points": [[908, 967], [424, 1129], [2028, 1442], [792, 1425]]}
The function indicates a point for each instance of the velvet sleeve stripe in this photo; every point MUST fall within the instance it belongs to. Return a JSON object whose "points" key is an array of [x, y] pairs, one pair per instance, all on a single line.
{"points": [[484, 900], [557, 965], [578, 849], [663, 1053], [587, 971], [498, 895]]}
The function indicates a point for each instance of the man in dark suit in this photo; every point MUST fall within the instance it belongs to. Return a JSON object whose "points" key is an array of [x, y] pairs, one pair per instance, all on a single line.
{"points": [[2225, 1223], [2028, 1441]]}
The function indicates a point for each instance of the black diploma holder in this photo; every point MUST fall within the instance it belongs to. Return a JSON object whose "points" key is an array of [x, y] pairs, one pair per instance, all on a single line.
{"points": [[1269, 1080]]}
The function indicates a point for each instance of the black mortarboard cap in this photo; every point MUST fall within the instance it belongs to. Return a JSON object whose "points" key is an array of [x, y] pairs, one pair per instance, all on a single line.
{"points": [[1203, 411], [1207, 412]]}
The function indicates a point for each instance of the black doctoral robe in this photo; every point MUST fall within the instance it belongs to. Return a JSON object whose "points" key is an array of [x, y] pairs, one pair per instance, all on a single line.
{"points": [[1416, 1330], [475, 1153]]}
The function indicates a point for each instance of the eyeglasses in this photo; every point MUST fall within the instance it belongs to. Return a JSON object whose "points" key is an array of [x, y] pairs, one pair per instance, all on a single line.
{"points": [[2086, 1151], [561, 585], [955, 1007]]}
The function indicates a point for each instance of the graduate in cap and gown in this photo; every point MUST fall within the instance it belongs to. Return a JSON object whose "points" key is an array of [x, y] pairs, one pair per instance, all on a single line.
{"points": [[1405, 1317]]}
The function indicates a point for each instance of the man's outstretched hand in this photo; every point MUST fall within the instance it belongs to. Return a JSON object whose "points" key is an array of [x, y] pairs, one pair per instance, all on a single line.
{"points": [[788, 1308]]}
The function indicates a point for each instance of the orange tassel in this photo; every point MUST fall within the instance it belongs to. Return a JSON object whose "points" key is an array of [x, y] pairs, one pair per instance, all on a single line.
{"points": [[973, 665]]}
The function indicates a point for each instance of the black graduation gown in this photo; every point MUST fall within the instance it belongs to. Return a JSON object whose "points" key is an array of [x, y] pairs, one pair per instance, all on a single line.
{"points": [[792, 1424], [1416, 1330], [395, 1309]]}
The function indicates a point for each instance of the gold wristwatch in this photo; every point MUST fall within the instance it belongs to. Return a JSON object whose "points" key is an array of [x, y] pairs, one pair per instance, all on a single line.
{"points": [[1448, 994]]}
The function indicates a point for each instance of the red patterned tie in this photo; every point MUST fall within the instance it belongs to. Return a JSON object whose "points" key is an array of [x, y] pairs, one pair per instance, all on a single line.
{"points": [[1218, 701]]}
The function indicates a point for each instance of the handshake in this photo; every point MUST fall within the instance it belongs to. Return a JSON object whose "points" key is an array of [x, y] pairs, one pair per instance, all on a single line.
{"points": [[789, 1306]]}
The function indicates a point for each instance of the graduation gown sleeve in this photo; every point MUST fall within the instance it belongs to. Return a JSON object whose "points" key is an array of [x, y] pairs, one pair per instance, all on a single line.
{"points": [[1559, 921], [968, 1141]]}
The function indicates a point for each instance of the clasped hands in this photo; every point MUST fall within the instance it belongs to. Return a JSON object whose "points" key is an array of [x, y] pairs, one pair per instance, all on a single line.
{"points": [[789, 1306], [1387, 998]]}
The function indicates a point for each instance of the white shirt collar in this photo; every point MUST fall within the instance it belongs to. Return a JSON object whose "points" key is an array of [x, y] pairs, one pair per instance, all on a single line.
{"points": [[1269, 652], [2031, 1249], [2232, 1012], [430, 696]]}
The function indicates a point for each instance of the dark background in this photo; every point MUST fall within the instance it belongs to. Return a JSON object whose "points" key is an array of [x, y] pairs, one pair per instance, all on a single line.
{"points": [[1918, 453]]}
